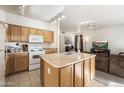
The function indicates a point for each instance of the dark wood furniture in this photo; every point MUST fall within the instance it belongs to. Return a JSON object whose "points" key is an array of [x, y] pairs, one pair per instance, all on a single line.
{"points": [[117, 65], [102, 59]]}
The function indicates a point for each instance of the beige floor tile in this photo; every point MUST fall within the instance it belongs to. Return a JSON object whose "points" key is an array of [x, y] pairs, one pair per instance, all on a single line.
{"points": [[14, 83], [24, 74], [95, 83], [13, 77], [32, 79]]}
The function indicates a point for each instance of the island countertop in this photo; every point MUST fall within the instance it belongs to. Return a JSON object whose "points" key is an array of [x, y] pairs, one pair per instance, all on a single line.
{"points": [[62, 60]]}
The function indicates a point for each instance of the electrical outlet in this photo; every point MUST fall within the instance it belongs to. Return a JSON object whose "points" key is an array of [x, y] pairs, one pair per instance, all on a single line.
{"points": [[49, 71]]}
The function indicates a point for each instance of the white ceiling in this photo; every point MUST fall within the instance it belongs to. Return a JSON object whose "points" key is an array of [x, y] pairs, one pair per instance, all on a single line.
{"points": [[102, 16], [39, 12]]}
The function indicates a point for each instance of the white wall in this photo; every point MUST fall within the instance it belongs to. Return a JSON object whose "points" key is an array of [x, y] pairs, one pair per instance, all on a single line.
{"points": [[114, 36], [24, 21]]}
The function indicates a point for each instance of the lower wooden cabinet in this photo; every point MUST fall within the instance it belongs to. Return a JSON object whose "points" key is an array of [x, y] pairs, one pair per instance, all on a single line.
{"points": [[75, 75], [79, 74], [66, 76], [84, 72], [51, 50], [10, 64], [21, 61], [16, 63], [51, 76]]}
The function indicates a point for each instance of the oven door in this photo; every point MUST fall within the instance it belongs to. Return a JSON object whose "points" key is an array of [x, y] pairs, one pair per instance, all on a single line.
{"points": [[34, 58]]}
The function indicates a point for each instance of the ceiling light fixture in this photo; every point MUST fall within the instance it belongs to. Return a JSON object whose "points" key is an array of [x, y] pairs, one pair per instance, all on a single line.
{"points": [[63, 16], [58, 18]]}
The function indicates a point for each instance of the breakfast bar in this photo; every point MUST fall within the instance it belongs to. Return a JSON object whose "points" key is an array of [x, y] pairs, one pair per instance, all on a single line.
{"points": [[67, 70]]}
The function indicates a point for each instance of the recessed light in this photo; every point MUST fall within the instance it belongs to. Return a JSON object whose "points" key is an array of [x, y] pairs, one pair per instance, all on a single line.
{"points": [[55, 21], [59, 19], [63, 16]]}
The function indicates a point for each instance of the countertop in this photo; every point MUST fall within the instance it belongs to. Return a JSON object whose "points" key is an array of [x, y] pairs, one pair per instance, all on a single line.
{"points": [[16, 52], [62, 60]]}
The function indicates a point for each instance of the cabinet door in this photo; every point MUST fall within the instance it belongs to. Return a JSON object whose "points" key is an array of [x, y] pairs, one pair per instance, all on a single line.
{"points": [[66, 76], [8, 34], [10, 64], [40, 32], [21, 61], [92, 68], [79, 74], [87, 72], [33, 31], [49, 36], [24, 34], [15, 33], [51, 76]]}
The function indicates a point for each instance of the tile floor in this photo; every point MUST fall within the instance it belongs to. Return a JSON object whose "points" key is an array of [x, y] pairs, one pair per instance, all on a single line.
{"points": [[32, 79], [25, 79]]}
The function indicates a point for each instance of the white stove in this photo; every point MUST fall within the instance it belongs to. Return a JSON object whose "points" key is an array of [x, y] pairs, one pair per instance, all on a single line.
{"points": [[35, 50]]}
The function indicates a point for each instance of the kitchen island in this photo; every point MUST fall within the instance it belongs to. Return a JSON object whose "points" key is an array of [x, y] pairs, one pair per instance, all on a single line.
{"points": [[63, 70]]}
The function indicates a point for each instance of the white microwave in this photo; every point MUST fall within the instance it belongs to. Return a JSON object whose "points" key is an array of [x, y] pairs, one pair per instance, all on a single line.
{"points": [[36, 38]]}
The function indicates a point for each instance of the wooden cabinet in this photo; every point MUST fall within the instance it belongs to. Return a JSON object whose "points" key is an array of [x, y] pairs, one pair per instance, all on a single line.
{"points": [[16, 63], [21, 34], [24, 34], [87, 72], [48, 36], [21, 61], [40, 32], [13, 33], [51, 76], [84, 72], [10, 64], [33, 31], [79, 74], [66, 76], [51, 50]]}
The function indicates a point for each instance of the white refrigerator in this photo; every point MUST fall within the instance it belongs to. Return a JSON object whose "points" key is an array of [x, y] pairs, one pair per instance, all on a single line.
{"points": [[2, 54]]}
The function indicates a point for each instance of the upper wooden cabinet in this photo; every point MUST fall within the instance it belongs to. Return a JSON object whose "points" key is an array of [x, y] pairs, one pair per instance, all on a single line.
{"points": [[24, 34], [13, 33], [21, 34], [33, 31], [48, 36], [40, 32]]}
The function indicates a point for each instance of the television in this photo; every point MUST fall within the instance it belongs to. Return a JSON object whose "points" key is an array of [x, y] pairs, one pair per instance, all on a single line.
{"points": [[100, 45]]}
